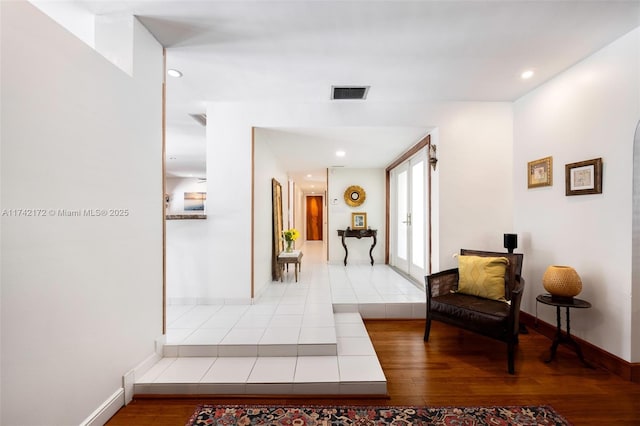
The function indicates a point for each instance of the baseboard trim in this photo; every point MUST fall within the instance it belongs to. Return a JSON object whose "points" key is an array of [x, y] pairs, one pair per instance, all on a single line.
{"points": [[129, 378], [595, 355], [106, 410]]}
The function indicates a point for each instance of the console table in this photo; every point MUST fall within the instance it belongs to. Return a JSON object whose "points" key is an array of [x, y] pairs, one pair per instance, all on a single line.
{"points": [[357, 233]]}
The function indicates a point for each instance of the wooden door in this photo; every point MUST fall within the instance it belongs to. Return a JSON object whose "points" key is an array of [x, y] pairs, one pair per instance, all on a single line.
{"points": [[314, 218]]}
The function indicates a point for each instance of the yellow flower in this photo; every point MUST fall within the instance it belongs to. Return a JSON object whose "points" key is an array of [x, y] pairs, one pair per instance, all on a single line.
{"points": [[291, 234]]}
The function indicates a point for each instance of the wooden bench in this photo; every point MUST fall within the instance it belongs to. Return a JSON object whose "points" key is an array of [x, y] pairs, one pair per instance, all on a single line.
{"points": [[284, 259]]}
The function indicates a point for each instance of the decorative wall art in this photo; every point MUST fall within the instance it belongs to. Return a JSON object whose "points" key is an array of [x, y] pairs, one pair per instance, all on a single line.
{"points": [[194, 201], [358, 221], [540, 172], [584, 177], [354, 196]]}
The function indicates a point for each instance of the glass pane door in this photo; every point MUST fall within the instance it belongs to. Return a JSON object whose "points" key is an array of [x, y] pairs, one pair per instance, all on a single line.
{"points": [[409, 185], [401, 217]]}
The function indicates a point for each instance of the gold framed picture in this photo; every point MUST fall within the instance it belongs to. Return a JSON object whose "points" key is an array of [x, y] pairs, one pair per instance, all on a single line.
{"points": [[540, 172], [584, 177], [358, 221]]}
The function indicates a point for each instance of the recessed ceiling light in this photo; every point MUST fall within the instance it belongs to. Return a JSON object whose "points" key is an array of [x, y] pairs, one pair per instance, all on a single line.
{"points": [[174, 73], [340, 153], [526, 74], [309, 175]]}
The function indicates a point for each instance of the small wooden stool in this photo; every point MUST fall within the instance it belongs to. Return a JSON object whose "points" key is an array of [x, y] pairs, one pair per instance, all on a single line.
{"points": [[295, 257]]}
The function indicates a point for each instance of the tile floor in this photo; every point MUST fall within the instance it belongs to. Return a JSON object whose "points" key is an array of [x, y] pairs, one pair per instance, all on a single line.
{"points": [[297, 338]]}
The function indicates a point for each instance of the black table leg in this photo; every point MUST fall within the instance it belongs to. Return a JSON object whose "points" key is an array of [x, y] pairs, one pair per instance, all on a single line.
{"points": [[375, 240], [557, 337], [346, 252], [569, 340], [560, 338]]}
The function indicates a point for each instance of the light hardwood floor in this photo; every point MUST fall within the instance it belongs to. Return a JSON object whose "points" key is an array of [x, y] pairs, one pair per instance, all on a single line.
{"points": [[455, 368]]}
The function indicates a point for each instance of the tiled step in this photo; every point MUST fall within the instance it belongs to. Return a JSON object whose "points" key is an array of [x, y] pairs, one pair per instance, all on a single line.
{"points": [[245, 331], [353, 368], [309, 375], [281, 342]]}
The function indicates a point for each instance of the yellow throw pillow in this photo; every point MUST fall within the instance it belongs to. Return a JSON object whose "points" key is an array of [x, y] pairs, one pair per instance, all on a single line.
{"points": [[482, 276]]}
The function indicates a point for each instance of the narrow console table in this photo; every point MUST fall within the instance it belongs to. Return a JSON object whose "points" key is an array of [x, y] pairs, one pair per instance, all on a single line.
{"points": [[357, 233]]}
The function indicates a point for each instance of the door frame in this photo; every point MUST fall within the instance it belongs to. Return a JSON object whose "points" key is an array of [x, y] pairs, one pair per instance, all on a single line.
{"points": [[424, 142]]}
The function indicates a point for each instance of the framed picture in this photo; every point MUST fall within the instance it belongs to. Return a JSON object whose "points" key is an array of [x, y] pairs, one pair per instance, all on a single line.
{"points": [[358, 221], [584, 177], [194, 201], [540, 172]]}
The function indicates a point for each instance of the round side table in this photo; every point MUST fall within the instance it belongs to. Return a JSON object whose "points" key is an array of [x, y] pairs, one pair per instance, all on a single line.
{"points": [[547, 299]]}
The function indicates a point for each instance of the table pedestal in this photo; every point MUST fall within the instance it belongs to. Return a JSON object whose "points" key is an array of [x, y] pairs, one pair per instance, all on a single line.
{"points": [[561, 337]]}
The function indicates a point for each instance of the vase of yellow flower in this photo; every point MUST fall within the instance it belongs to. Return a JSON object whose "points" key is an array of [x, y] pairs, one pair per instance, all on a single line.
{"points": [[290, 235]]}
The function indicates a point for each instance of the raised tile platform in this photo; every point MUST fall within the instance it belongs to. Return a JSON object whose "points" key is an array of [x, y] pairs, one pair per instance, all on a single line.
{"points": [[353, 368], [305, 337], [254, 330]]}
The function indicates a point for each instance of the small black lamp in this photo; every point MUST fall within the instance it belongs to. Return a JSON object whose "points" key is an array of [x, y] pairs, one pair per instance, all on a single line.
{"points": [[510, 242]]}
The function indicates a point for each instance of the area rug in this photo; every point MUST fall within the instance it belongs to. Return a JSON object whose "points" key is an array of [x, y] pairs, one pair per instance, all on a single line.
{"points": [[375, 416]]}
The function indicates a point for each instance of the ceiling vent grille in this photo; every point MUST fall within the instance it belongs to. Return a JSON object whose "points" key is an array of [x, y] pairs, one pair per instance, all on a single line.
{"points": [[200, 118], [349, 92]]}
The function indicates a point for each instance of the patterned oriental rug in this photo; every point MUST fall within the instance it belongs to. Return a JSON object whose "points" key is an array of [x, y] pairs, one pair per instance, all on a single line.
{"points": [[375, 416]]}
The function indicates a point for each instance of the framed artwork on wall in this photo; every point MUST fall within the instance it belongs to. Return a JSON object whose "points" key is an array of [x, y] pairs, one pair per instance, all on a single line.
{"points": [[540, 172], [194, 201], [358, 221], [583, 177]]}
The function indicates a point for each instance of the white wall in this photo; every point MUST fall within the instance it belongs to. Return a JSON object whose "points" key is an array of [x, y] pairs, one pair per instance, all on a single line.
{"points": [[373, 182], [73, 17], [187, 258], [589, 111], [267, 167], [81, 296], [474, 181], [186, 247], [474, 148], [300, 216]]}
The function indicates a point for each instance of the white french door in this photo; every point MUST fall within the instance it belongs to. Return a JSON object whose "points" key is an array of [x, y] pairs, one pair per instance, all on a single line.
{"points": [[409, 228]]}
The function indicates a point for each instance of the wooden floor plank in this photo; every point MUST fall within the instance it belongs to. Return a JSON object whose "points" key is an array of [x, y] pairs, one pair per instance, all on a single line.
{"points": [[454, 368]]}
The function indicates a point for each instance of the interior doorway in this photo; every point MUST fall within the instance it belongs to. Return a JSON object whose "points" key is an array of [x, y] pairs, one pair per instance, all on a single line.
{"points": [[315, 217]]}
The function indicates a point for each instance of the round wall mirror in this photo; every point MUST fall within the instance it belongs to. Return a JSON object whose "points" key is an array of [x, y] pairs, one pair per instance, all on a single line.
{"points": [[354, 196]]}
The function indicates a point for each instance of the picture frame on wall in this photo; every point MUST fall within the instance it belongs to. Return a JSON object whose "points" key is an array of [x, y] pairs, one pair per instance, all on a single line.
{"points": [[583, 177], [194, 201], [358, 221], [540, 172]]}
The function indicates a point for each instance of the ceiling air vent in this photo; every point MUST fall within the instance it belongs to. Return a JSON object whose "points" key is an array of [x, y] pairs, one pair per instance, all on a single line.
{"points": [[351, 92], [200, 118]]}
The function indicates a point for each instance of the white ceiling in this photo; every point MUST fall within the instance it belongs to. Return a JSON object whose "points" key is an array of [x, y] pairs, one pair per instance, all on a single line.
{"points": [[407, 51]]}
